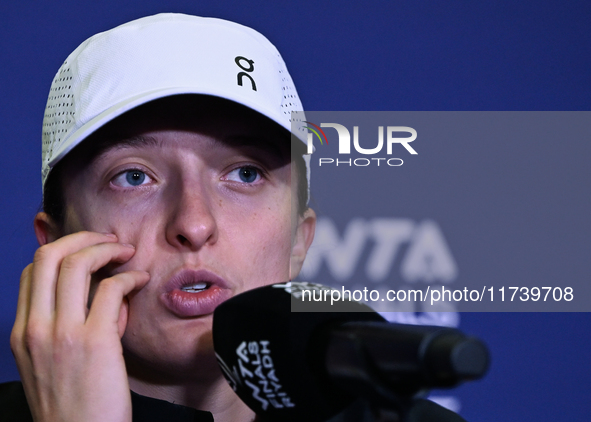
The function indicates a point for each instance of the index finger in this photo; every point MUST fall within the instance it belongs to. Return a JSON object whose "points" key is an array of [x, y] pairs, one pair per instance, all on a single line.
{"points": [[46, 264]]}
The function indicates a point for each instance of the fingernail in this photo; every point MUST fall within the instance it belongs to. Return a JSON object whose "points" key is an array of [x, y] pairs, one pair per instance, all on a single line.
{"points": [[110, 235], [128, 245]]}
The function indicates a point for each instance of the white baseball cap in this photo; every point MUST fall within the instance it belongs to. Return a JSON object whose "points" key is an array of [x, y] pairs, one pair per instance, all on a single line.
{"points": [[158, 56]]}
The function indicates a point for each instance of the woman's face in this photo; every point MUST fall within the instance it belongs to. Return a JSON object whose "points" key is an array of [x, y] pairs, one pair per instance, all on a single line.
{"points": [[208, 207]]}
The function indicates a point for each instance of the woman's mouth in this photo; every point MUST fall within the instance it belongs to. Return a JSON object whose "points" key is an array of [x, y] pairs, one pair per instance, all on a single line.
{"points": [[191, 293]]}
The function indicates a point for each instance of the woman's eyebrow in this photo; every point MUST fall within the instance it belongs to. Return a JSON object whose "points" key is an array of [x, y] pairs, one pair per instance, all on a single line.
{"points": [[137, 141], [270, 147], [116, 143]]}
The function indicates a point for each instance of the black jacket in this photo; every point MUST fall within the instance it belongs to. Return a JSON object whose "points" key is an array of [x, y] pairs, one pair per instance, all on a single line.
{"points": [[14, 408]]}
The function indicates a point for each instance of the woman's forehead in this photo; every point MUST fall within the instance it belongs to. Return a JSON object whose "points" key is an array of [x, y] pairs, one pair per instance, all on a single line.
{"points": [[182, 142]]}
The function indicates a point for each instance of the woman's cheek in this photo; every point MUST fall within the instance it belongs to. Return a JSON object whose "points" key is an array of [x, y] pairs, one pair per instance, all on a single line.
{"points": [[127, 218]]}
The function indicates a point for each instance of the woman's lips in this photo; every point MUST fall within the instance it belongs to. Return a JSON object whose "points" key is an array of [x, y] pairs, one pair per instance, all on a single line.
{"points": [[186, 304]]}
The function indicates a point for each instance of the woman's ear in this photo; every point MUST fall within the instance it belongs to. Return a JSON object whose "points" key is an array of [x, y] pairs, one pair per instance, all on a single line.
{"points": [[303, 239], [46, 229]]}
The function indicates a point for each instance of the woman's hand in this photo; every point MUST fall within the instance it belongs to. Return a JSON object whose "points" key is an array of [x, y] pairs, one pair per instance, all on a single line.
{"points": [[70, 357]]}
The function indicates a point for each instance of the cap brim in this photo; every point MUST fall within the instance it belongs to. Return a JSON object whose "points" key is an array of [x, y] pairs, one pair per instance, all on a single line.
{"points": [[120, 108]]}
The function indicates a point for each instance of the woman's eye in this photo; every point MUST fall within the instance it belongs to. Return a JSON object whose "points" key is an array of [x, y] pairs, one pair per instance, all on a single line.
{"points": [[131, 178], [246, 174]]}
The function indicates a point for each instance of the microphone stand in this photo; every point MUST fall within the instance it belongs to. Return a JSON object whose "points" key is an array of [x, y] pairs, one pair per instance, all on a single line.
{"points": [[394, 376]]}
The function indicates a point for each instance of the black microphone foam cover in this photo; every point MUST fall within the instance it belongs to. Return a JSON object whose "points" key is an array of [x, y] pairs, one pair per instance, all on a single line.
{"points": [[273, 358]]}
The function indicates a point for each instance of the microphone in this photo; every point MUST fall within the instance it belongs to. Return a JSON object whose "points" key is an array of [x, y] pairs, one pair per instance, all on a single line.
{"points": [[288, 361]]}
